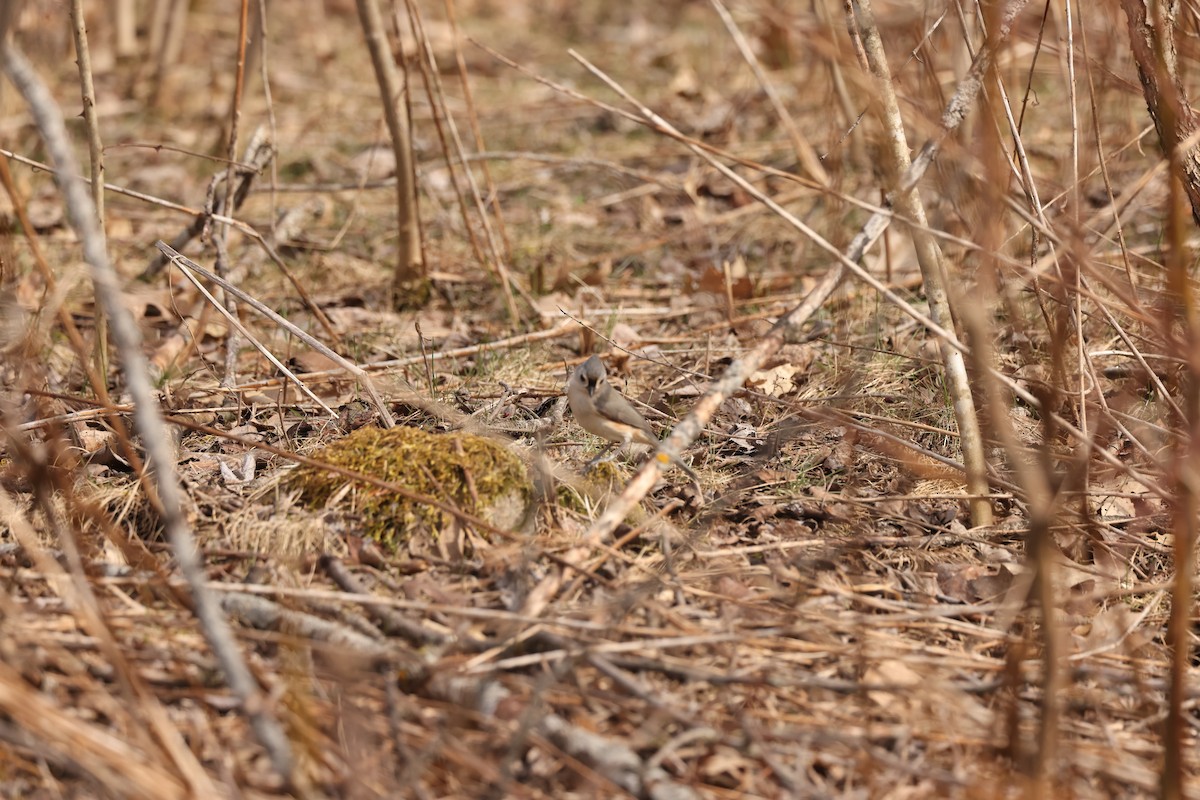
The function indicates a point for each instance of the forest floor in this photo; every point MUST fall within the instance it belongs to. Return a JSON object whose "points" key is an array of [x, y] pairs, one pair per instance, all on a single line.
{"points": [[819, 620]]}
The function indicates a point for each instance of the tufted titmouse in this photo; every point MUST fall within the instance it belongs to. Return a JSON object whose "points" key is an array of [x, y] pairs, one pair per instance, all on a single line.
{"points": [[602, 410]]}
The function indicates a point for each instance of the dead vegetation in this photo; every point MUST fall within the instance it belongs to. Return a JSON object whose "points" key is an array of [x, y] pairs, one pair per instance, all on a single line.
{"points": [[823, 622]]}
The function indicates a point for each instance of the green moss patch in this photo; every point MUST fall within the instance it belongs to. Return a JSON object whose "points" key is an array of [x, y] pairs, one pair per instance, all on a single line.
{"points": [[444, 466]]}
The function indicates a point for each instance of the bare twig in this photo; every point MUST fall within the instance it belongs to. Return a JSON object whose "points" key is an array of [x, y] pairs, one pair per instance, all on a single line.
{"points": [[260, 151], [391, 622], [564, 328], [91, 123], [476, 131], [1152, 29], [221, 236], [433, 87], [263, 38], [614, 759], [236, 323]]}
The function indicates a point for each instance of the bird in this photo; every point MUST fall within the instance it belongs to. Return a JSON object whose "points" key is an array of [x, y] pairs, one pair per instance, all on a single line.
{"points": [[602, 410]]}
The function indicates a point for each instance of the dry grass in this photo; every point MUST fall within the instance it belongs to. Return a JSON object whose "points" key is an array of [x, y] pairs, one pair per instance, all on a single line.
{"points": [[823, 624]]}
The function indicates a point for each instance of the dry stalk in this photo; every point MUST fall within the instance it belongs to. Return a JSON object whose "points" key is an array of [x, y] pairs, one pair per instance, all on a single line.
{"points": [[1102, 157], [1041, 501], [272, 128], [125, 23], [260, 151], [1186, 495], [408, 286], [1152, 41], [828, 18], [128, 341], [437, 97], [91, 124], [261, 154], [220, 237], [476, 131], [933, 267], [1042, 485], [1152, 29], [167, 27]]}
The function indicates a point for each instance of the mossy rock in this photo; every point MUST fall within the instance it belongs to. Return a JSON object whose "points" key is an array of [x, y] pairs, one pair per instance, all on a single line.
{"points": [[433, 464]]}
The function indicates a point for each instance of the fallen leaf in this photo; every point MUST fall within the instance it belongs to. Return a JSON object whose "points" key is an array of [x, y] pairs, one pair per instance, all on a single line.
{"points": [[776, 381]]}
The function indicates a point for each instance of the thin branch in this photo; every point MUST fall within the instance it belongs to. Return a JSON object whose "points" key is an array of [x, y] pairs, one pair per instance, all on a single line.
{"points": [[221, 237]]}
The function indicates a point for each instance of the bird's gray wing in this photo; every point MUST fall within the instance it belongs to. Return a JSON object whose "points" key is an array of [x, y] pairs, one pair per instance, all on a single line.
{"points": [[614, 406]]}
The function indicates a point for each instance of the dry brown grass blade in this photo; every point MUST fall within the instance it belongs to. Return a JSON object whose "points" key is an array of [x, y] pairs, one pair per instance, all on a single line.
{"points": [[73, 587], [113, 763]]}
